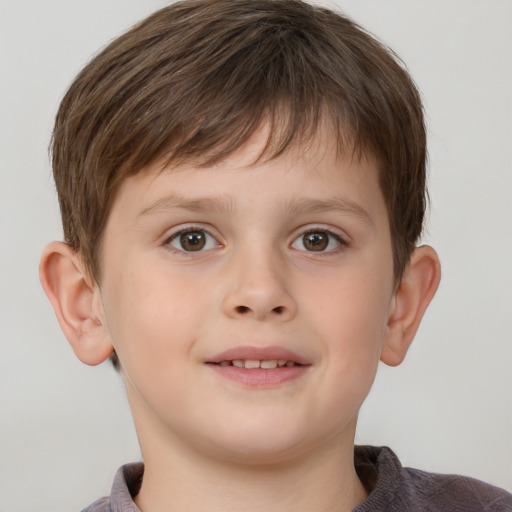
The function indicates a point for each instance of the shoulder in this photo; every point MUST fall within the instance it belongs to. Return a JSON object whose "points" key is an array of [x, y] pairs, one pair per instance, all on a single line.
{"points": [[455, 493], [393, 488]]}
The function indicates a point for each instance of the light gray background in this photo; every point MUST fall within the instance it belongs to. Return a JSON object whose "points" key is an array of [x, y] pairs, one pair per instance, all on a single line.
{"points": [[65, 428]]}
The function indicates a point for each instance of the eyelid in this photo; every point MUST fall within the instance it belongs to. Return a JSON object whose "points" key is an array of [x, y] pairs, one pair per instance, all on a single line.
{"points": [[337, 234], [185, 228], [335, 231]]}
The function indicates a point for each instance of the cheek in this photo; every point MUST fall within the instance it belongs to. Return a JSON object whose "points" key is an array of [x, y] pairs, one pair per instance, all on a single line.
{"points": [[351, 312], [353, 335], [152, 316], [353, 304]]}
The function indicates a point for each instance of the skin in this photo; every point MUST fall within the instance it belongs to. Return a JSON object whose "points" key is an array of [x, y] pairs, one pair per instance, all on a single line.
{"points": [[168, 311]]}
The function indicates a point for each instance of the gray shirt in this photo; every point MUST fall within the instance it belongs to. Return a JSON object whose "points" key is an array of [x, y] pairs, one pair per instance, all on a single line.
{"points": [[391, 488]]}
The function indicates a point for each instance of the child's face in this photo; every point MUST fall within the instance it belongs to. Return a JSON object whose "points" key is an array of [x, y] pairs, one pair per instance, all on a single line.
{"points": [[290, 259]]}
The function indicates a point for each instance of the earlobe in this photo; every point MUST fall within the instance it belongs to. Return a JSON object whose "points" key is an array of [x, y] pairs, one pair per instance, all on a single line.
{"points": [[76, 303], [417, 288]]}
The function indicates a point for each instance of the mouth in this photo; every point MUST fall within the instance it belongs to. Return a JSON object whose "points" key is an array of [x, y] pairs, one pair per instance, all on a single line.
{"points": [[269, 357], [254, 364], [259, 366]]}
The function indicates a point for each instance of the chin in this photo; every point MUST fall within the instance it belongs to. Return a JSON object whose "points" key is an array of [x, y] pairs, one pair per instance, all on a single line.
{"points": [[257, 445]]}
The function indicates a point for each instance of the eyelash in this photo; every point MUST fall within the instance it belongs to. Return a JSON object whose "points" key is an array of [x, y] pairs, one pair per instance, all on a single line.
{"points": [[340, 241], [189, 229]]}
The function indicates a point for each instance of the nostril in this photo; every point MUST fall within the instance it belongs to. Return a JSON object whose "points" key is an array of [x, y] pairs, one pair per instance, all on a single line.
{"points": [[244, 310]]}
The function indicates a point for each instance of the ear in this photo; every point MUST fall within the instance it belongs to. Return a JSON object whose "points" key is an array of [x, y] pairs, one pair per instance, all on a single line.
{"points": [[409, 303], [77, 303]]}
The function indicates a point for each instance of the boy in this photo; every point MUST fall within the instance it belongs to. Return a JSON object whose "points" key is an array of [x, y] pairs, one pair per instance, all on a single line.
{"points": [[242, 186]]}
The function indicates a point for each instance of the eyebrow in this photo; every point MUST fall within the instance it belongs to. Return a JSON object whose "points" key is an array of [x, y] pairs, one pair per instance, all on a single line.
{"points": [[307, 205], [223, 204], [226, 204]]}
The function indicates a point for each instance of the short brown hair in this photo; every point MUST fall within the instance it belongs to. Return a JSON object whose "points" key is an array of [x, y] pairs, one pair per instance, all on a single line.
{"points": [[195, 80]]}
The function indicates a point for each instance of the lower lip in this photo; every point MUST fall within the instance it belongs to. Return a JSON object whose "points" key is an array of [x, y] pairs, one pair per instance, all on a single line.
{"points": [[257, 377]]}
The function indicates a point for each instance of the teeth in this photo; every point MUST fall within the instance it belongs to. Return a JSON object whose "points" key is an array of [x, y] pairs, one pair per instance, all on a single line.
{"points": [[253, 364]]}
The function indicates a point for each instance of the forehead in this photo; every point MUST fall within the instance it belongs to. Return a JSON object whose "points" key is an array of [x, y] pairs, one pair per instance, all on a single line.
{"points": [[309, 171]]}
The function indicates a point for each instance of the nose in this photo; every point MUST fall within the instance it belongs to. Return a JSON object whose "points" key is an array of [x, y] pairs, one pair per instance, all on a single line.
{"points": [[257, 289]]}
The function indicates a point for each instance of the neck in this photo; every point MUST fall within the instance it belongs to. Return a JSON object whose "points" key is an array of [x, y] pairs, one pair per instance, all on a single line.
{"points": [[185, 480]]}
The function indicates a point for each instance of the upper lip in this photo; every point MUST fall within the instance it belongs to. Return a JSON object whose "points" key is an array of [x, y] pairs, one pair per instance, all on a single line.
{"points": [[258, 354]]}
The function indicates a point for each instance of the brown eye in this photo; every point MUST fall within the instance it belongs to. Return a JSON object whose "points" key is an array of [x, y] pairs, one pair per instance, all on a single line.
{"points": [[315, 240], [318, 241], [193, 240]]}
